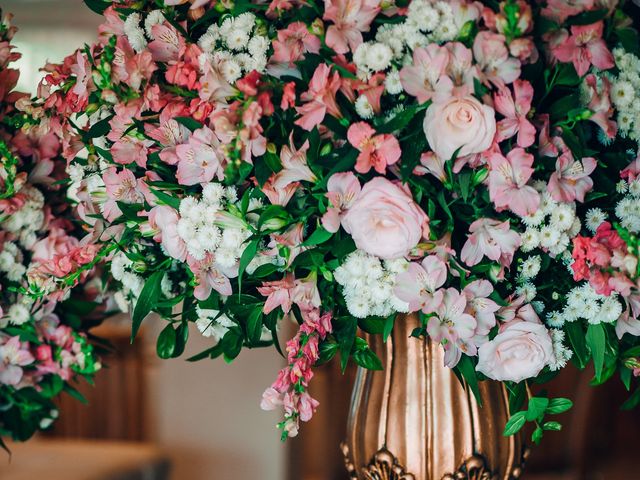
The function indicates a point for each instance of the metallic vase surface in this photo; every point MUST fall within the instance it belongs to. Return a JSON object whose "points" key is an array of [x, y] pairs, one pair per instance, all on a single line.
{"points": [[415, 421]]}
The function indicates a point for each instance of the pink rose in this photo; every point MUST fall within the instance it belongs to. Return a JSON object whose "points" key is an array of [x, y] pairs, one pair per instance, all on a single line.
{"points": [[459, 123], [384, 220], [520, 351]]}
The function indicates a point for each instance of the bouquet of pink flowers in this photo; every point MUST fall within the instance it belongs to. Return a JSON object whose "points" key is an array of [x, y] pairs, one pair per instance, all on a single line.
{"points": [[339, 162], [42, 347]]}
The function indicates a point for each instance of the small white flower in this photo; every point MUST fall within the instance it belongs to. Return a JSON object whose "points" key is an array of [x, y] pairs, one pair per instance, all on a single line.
{"points": [[562, 217], [231, 71], [530, 267], [392, 83], [535, 219], [363, 107], [378, 57], [611, 309], [237, 39], [595, 217], [16, 272], [18, 314], [549, 236], [155, 17], [258, 45], [555, 319], [530, 240], [622, 93], [527, 290], [634, 188]]}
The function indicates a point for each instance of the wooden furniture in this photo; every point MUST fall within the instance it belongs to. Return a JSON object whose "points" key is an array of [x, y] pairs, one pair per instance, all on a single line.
{"points": [[83, 460], [115, 408]]}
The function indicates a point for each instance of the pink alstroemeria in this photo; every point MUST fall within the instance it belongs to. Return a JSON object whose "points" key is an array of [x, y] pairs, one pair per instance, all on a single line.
{"points": [[585, 47], [165, 220], [198, 159], [515, 111], [121, 187], [320, 99], [293, 42], [294, 165], [342, 190], [376, 151], [481, 307], [209, 276], [598, 91], [492, 239], [278, 294], [13, 356], [350, 18], [420, 285], [571, 180], [423, 78], [279, 195], [168, 43], [508, 179], [490, 51], [453, 326]]}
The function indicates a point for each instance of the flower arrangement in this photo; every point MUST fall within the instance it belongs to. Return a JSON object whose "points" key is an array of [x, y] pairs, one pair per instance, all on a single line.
{"points": [[337, 163], [42, 346]]}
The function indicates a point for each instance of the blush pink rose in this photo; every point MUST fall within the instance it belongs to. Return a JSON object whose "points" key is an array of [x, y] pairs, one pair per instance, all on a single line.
{"points": [[459, 123], [520, 351], [384, 220]]}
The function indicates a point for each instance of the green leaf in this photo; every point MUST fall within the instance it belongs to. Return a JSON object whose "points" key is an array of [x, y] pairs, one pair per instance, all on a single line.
{"points": [[467, 370], [577, 340], [537, 407], [367, 359], [254, 325], [372, 325], [212, 352], [401, 119], [596, 341], [555, 426], [172, 202], [346, 337], [536, 436], [625, 377], [633, 401], [191, 123], [182, 336], [558, 405], [319, 236], [328, 350], [99, 129], [388, 327], [587, 18], [245, 259], [514, 424], [98, 6], [166, 343], [72, 392], [146, 302]]}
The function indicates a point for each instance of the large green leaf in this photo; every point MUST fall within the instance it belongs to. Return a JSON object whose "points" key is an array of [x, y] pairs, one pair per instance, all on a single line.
{"points": [[596, 341], [147, 300]]}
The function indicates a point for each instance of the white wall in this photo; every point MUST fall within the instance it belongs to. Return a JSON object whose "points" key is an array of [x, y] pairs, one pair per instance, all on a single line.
{"points": [[206, 414]]}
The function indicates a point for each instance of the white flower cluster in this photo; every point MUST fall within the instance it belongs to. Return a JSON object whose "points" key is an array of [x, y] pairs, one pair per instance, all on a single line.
{"points": [[368, 284], [236, 46], [628, 208], [561, 353], [25, 222], [584, 303], [11, 259], [134, 32], [625, 94], [122, 270], [213, 324], [427, 22], [528, 271], [199, 229], [551, 227]]}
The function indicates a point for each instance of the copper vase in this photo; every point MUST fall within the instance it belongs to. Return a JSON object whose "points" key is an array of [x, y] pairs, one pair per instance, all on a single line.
{"points": [[415, 421]]}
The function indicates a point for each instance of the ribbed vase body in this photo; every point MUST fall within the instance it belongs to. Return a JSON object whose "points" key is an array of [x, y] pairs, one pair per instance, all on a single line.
{"points": [[414, 420]]}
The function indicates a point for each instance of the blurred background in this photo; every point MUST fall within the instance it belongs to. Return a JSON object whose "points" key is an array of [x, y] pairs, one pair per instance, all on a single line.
{"points": [[150, 419]]}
